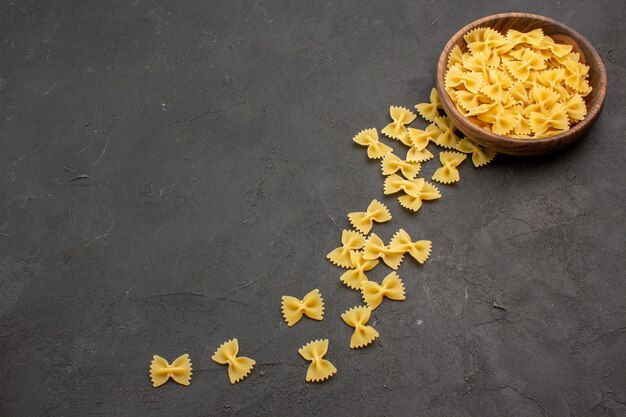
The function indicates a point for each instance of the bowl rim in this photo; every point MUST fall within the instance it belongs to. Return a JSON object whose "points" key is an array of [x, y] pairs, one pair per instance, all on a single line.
{"points": [[576, 130]]}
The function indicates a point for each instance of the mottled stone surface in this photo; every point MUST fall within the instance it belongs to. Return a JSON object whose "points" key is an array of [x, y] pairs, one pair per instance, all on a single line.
{"points": [[169, 169]]}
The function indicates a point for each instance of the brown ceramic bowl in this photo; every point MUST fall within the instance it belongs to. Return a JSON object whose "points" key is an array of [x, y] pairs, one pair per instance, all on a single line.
{"points": [[561, 33]]}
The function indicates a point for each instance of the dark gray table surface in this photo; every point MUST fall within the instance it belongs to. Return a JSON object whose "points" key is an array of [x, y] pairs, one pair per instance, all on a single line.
{"points": [[170, 169]]}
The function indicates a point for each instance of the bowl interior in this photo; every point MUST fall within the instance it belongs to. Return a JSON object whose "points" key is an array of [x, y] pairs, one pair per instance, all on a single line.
{"points": [[561, 34]]}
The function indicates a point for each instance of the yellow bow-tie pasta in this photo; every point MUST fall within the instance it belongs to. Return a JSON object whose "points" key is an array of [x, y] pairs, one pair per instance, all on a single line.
{"points": [[480, 156], [375, 148], [354, 278], [363, 335], [392, 288], [448, 173], [364, 220], [430, 111], [427, 192], [179, 370], [350, 240], [401, 117], [419, 250], [312, 306], [375, 248], [238, 367], [320, 369]]}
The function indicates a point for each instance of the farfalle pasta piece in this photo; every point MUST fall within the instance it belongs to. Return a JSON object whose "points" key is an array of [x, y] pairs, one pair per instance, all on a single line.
{"points": [[498, 83], [575, 107], [522, 127], [375, 248], [419, 140], [557, 49], [448, 173], [552, 79], [478, 63], [428, 192], [179, 370], [363, 335], [471, 81], [238, 367], [353, 278], [430, 111], [576, 76], [350, 240], [363, 220], [571, 56], [392, 164], [480, 156], [502, 120], [518, 93], [414, 154], [475, 35], [320, 369], [395, 183], [369, 138], [447, 138], [419, 250], [469, 102], [542, 99], [486, 40], [533, 38], [401, 117], [405, 139], [555, 118], [392, 287], [312, 306], [520, 70]]}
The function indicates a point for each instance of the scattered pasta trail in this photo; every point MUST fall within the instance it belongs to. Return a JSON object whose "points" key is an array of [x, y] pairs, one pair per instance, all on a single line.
{"points": [[521, 85]]}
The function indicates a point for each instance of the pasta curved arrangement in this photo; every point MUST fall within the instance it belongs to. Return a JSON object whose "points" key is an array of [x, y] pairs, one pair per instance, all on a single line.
{"points": [[361, 250], [522, 85]]}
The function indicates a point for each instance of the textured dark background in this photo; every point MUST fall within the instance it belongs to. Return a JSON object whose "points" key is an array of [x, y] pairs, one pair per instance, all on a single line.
{"points": [[169, 169]]}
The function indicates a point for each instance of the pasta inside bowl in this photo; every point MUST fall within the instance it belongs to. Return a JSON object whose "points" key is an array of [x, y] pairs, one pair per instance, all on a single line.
{"points": [[539, 46]]}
